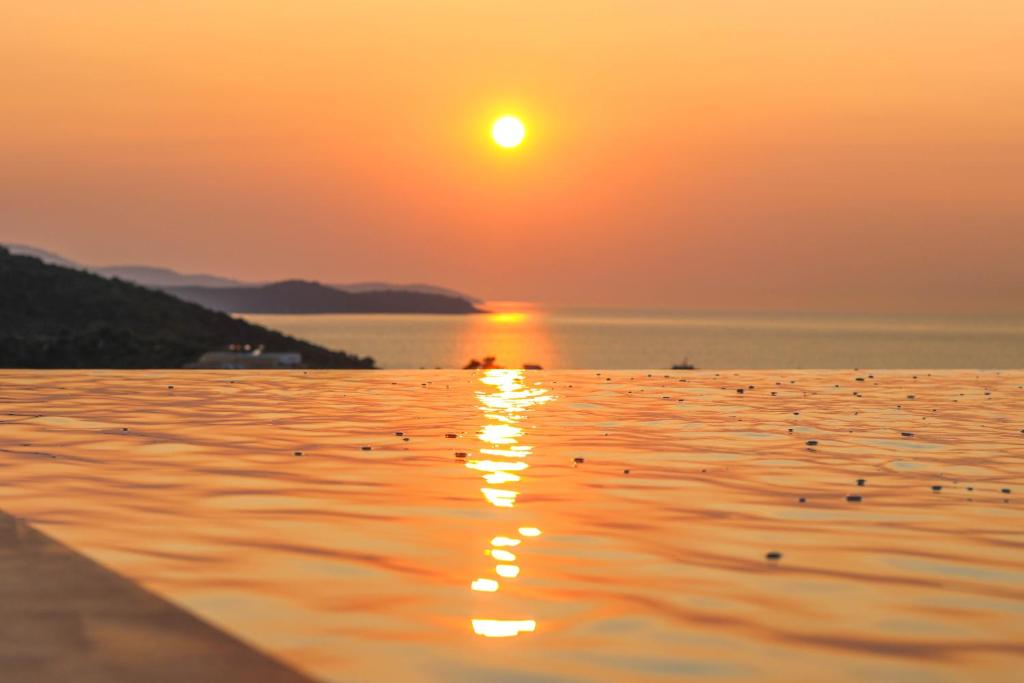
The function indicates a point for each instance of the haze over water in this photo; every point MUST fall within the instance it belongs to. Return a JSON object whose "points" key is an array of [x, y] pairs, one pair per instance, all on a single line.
{"points": [[550, 526], [854, 155], [564, 338]]}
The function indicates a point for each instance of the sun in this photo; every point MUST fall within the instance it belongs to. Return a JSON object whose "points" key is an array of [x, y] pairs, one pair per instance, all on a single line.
{"points": [[508, 131]]}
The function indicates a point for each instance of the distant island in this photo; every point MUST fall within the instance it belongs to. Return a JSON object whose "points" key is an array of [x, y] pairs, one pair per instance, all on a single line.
{"points": [[290, 296], [299, 296], [59, 317]]}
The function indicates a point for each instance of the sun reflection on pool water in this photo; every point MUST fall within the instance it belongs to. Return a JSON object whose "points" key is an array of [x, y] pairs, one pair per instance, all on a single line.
{"points": [[508, 402], [496, 628]]}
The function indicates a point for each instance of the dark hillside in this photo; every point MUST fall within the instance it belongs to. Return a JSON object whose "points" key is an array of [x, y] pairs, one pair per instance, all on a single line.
{"points": [[53, 317]]}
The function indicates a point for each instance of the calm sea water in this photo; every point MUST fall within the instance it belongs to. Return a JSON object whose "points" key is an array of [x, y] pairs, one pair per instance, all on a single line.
{"points": [[623, 339]]}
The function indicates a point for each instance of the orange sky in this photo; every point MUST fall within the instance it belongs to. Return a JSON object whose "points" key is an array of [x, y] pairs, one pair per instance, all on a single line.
{"points": [[834, 155]]}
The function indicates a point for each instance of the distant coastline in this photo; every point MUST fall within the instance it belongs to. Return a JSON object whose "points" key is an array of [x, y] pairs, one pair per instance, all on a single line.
{"points": [[295, 296], [299, 297]]}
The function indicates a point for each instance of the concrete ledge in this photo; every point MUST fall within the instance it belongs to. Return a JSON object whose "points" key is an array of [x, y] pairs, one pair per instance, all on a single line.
{"points": [[66, 618]]}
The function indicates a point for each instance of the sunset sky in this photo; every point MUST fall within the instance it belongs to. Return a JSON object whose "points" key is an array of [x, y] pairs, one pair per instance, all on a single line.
{"points": [[842, 155]]}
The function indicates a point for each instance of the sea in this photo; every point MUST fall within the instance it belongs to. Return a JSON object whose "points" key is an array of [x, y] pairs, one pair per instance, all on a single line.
{"points": [[518, 334]]}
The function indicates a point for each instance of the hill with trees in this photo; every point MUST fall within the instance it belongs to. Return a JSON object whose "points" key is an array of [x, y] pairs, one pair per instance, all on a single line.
{"points": [[55, 317]]}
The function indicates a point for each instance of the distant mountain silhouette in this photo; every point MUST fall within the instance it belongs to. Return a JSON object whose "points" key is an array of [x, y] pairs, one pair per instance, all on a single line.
{"points": [[147, 276], [42, 255], [165, 278], [162, 278], [57, 317], [414, 287], [300, 296]]}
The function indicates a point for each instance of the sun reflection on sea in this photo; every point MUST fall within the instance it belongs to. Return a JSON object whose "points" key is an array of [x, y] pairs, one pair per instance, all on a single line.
{"points": [[506, 318], [514, 333], [508, 402]]}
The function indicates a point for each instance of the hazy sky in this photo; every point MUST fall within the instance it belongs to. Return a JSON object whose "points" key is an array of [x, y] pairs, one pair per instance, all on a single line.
{"points": [[863, 154]]}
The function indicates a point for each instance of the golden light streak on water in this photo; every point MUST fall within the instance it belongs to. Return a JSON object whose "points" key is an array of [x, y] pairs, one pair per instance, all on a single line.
{"points": [[502, 498], [498, 628], [503, 555], [500, 434], [505, 541], [496, 466], [506, 452], [498, 478], [509, 403], [485, 585]]}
